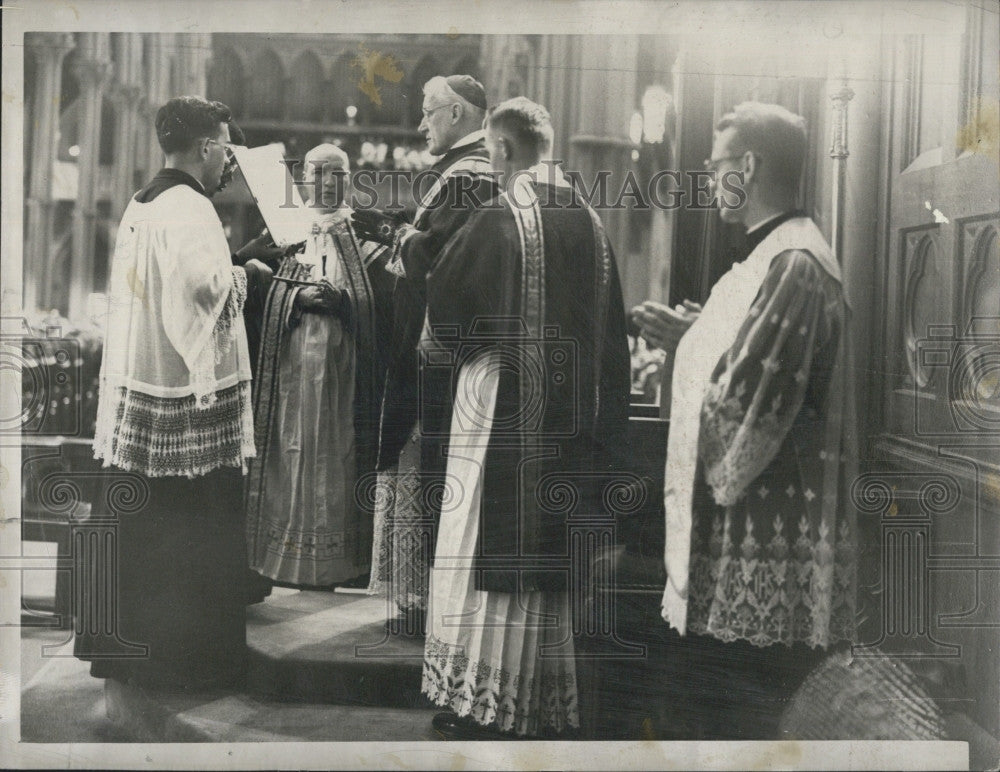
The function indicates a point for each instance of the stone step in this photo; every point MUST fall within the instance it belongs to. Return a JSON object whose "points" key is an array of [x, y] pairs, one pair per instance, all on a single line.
{"points": [[226, 717], [321, 668], [331, 647]]}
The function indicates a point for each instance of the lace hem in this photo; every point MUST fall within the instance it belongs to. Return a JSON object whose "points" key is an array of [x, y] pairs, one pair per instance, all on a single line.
{"points": [[495, 696], [174, 436], [203, 382], [384, 496], [749, 593], [403, 540]]}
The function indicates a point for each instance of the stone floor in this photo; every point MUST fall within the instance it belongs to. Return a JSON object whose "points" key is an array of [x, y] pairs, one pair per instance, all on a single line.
{"points": [[60, 702], [321, 669]]}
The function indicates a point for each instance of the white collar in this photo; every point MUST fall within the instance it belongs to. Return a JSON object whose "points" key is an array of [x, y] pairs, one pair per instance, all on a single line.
{"points": [[201, 185], [468, 139], [763, 222], [344, 210], [795, 233]]}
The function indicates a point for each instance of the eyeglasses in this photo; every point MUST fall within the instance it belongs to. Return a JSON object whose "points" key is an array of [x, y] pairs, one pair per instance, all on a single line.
{"points": [[712, 164], [226, 146], [429, 113]]}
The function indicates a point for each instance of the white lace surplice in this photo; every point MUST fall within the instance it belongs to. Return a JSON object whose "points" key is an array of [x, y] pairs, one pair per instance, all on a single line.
{"points": [[175, 376], [402, 547]]}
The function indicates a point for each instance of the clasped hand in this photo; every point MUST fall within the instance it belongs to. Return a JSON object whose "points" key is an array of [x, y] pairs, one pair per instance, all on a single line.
{"points": [[319, 298], [377, 226], [663, 327]]}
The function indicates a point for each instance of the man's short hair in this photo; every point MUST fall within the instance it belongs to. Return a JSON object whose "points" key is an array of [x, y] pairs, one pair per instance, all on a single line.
{"points": [[184, 119], [527, 123], [775, 134]]}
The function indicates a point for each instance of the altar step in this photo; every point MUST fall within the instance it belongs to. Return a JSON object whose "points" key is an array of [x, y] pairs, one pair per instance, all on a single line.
{"points": [[145, 716], [331, 647], [321, 668]]}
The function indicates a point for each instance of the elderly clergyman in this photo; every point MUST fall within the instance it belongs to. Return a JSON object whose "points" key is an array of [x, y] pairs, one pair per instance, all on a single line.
{"points": [[319, 381], [414, 411]]}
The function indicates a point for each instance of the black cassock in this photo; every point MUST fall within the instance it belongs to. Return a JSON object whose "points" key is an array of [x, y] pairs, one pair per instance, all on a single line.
{"points": [[415, 403], [551, 304], [437, 223]]}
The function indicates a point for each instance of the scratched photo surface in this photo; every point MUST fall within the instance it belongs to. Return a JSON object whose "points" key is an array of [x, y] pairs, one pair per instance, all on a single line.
{"points": [[500, 385]]}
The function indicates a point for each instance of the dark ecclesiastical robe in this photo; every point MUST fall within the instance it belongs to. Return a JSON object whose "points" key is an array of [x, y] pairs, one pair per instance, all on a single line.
{"points": [[415, 407], [577, 414], [445, 208], [525, 312], [162, 578]]}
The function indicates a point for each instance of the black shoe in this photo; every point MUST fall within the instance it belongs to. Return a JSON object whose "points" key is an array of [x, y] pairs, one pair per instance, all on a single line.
{"points": [[452, 727]]}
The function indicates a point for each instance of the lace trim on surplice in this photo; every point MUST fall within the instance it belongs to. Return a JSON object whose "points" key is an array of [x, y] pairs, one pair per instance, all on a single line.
{"points": [[496, 696]]}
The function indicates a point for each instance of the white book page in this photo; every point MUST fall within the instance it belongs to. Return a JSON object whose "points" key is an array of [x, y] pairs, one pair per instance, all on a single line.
{"points": [[286, 215]]}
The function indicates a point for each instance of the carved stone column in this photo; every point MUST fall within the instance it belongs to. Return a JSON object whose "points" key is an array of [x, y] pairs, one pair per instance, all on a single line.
{"points": [[49, 50], [557, 84], [839, 153], [601, 143], [91, 70], [127, 93], [192, 54], [157, 92], [856, 87]]}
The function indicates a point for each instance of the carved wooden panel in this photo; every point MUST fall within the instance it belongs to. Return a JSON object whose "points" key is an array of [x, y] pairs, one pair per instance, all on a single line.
{"points": [[940, 272], [921, 309], [975, 385], [981, 263]]}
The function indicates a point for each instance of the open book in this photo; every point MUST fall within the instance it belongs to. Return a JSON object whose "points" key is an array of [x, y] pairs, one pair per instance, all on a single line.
{"points": [[285, 214]]}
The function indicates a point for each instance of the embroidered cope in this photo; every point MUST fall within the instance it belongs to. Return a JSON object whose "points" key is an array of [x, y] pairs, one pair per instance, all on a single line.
{"points": [[316, 411]]}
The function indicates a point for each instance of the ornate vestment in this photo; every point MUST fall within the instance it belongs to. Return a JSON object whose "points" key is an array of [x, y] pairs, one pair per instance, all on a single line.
{"points": [[174, 395], [760, 536], [415, 409], [316, 408], [176, 429]]}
